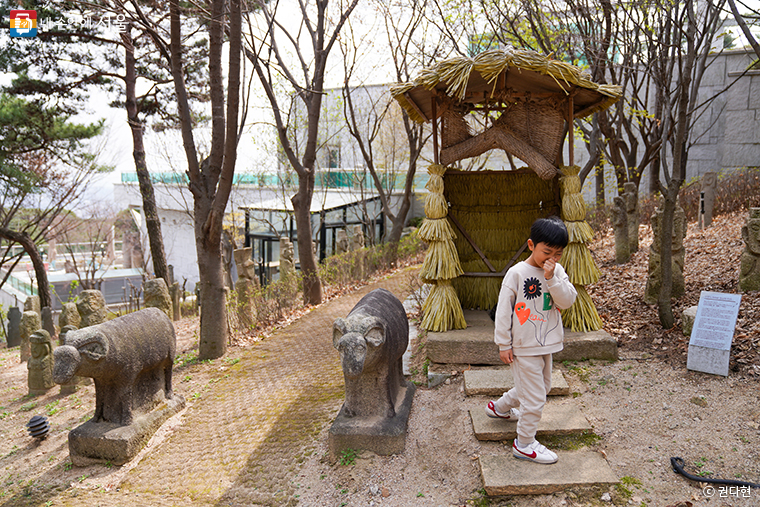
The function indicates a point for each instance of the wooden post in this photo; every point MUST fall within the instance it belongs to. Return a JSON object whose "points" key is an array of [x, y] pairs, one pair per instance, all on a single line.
{"points": [[435, 129]]}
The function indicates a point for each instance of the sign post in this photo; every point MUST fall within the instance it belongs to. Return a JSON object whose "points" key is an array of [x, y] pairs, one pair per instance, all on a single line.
{"points": [[713, 332]]}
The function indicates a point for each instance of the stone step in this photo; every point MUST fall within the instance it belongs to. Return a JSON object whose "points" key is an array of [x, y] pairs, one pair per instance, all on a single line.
{"points": [[495, 381], [475, 345], [507, 475], [557, 419]]}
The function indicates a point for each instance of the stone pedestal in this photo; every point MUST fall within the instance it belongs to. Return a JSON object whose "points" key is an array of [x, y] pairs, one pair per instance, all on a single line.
{"points": [[708, 360], [109, 442], [383, 436]]}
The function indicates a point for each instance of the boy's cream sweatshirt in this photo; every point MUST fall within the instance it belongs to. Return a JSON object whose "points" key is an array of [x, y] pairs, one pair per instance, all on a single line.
{"points": [[527, 316]]}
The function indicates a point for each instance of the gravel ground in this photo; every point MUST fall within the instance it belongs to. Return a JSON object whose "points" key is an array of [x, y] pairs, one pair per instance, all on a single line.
{"points": [[645, 409]]}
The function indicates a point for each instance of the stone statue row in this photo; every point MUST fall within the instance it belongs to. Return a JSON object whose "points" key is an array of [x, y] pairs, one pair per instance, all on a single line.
{"points": [[130, 359], [344, 244], [625, 215], [624, 210]]}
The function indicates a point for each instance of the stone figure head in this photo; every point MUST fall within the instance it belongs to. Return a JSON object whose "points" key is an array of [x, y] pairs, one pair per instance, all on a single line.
{"points": [[709, 180], [618, 211], [40, 344], [286, 249], [751, 231]]}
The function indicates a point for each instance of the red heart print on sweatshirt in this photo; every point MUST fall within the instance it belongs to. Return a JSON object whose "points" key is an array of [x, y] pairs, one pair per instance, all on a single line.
{"points": [[522, 312]]}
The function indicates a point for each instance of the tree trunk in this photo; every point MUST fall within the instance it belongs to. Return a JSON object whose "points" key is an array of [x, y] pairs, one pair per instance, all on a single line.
{"points": [[312, 285], [214, 331], [664, 306], [23, 239], [680, 143], [599, 189], [398, 224], [211, 181], [152, 221]]}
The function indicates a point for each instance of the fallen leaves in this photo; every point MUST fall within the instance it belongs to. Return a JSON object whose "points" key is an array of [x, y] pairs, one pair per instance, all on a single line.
{"points": [[712, 264]]}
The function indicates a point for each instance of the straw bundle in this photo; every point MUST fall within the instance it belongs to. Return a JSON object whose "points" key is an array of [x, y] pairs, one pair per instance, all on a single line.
{"points": [[579, 232], [436, 230], [573, 207], [435, 184], [579, 265], [570, 184], [441, 310], [582, 316], [577, 259], [438, 261], [436, 206]]}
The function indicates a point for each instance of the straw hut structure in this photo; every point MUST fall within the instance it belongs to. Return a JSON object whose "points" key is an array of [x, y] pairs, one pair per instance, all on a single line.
{"points": [[478, 221]]}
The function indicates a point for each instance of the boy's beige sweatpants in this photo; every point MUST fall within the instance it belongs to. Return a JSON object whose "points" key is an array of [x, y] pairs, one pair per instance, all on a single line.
{"points": [[533, 380]]}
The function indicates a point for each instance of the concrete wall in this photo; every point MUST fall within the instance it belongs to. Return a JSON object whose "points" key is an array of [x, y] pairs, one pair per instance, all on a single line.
{"points": [[726, 133]]}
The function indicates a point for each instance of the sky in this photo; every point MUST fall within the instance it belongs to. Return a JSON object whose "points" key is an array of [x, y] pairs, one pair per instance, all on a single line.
{"points": [[165, 151]]}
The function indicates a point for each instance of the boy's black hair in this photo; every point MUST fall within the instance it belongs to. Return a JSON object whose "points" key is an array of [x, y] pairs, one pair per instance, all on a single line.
{"points": [[551, 231]]}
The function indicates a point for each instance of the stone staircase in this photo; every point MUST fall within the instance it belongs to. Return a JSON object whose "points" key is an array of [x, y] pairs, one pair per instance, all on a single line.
{"points": [[503, 474]]}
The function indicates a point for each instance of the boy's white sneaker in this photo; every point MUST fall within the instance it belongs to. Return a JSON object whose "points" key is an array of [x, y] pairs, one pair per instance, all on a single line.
{"points": [[534, 452], [512, 415]]}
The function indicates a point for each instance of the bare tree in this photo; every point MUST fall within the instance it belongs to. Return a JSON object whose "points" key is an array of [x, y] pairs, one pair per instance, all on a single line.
{"points": [[679, 42], [308, 38], [87, 244], [210, 179], [374, 119]]}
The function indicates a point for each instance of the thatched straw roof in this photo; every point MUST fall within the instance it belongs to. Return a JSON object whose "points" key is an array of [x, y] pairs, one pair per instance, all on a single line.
{"points": [[490, 74]]}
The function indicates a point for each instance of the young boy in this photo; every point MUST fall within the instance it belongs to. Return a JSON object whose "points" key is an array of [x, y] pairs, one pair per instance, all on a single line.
{"points": [[528, 330]]}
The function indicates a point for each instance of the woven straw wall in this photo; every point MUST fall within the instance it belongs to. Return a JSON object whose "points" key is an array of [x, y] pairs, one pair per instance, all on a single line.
{"points": [[496, 208]]}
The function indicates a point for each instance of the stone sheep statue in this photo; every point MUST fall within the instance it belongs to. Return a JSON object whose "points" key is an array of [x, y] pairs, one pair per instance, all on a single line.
{"points": [[130, 359], [371, 341]]}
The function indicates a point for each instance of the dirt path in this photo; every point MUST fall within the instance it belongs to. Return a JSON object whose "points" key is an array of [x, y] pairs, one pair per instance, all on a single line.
{"points": [[246, 433]]}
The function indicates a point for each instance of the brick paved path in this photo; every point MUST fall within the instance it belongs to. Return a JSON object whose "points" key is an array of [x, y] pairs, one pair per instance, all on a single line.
{"points": [[242, 442]]}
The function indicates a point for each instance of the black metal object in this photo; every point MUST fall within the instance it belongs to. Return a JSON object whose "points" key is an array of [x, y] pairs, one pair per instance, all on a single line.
{"points": [[38, 427], [678, 467]]}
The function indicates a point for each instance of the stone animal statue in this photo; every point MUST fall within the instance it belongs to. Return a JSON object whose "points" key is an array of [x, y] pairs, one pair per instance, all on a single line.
{"points": [[129, 358], [371, 341]]}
